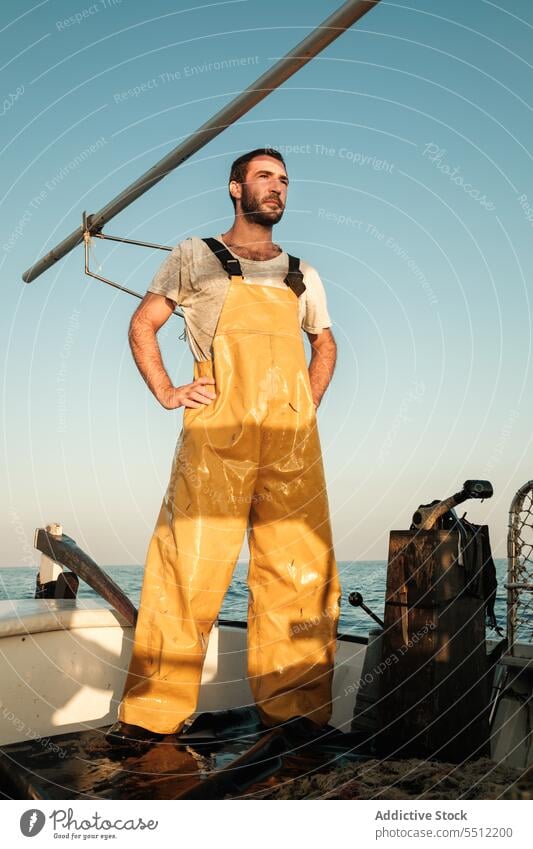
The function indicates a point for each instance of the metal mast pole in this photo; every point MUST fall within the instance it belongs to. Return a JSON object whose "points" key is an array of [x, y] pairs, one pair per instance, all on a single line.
{"points": [[313, 44]]}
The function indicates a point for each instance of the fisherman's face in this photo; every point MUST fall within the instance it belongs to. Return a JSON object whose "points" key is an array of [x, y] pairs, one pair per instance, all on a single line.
{"points": [[264, 193]]}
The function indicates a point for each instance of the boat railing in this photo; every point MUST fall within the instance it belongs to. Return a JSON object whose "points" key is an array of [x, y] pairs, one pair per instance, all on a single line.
{"points": [[60, 552]]}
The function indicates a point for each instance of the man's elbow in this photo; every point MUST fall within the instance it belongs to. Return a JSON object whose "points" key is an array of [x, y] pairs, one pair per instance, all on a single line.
{"points": [[151, 314], [140, 328], [134, 325]]}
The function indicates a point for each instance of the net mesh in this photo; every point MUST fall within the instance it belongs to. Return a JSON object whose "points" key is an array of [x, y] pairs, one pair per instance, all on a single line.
{"points": [[521, 567]]}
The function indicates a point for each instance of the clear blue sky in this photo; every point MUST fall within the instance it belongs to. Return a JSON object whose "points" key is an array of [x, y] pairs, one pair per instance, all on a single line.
{"points": [[411, 192]]}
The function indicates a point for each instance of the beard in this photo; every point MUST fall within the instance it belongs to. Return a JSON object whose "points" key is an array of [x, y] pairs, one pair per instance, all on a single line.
{"points": [[254, 210]]}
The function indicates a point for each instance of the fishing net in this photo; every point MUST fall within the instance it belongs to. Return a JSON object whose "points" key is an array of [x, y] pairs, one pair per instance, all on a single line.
{"points": [[520, 571]]}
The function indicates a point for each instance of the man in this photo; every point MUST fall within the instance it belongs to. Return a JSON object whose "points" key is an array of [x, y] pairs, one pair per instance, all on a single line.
{"points": [[248, 459]]}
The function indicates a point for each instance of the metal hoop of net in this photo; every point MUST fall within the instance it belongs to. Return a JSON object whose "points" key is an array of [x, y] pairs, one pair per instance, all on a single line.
{"points": [[520, 570]]}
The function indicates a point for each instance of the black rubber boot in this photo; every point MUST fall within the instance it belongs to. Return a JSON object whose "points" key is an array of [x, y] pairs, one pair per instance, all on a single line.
{"points": [[124, 735]]}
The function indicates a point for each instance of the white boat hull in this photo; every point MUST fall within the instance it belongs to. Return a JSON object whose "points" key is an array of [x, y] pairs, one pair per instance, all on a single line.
{"points": [[63, 665]]}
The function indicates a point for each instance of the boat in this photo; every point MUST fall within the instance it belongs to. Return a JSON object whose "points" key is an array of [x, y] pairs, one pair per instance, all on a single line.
{"points": [[63, 663]]}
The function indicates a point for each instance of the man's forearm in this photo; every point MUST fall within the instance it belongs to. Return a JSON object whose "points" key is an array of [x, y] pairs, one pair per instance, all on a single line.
{"points": [[321, 369], [147, 356]]}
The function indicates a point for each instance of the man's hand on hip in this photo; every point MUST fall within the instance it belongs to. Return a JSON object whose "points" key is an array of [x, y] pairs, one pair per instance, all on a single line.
{"points": [[153, 311], [195, 394]]}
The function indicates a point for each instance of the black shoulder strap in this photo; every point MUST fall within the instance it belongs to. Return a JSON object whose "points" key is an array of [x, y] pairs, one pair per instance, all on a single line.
{"points": [[295, 278], [230, 263], [232, 266]]}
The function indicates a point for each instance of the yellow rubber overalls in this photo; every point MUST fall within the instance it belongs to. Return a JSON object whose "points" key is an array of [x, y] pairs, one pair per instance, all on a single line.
{"points": [[250, 460]]}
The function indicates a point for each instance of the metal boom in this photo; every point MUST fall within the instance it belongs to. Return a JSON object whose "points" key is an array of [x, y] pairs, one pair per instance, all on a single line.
{"points": [[313, 44]]}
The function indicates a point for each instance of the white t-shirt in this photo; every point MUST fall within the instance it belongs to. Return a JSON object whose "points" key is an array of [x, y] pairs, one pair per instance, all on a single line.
{"points": [[193, 277]]}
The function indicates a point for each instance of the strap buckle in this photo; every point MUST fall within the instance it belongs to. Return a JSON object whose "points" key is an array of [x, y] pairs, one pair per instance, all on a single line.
{"points": [[230, 263], [295, 278]]}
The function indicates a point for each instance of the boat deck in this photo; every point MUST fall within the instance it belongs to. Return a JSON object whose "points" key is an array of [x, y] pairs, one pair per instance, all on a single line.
{"points": [[85, 766]]}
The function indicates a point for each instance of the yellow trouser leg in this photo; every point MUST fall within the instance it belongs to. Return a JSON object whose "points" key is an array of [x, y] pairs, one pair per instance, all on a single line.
{"points": [[294, 586], [189, 566]]}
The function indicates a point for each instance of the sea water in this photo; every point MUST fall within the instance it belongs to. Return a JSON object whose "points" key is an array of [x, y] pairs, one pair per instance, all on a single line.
{"points": [[367, 577]]}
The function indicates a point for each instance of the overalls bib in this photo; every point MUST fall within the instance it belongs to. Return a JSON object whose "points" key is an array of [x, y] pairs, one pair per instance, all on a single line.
{"points": [[248, 461]]}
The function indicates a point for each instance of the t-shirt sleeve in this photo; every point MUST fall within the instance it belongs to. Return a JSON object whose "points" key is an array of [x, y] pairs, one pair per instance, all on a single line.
{"points": [[316, 308], [167, 279]]}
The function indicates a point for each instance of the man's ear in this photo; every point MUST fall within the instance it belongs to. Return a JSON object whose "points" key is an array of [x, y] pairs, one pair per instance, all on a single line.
{"points": [[235, 189]]}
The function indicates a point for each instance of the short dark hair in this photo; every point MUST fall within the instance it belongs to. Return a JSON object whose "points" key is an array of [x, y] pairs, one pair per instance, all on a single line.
{"points": [[240, 166]]}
